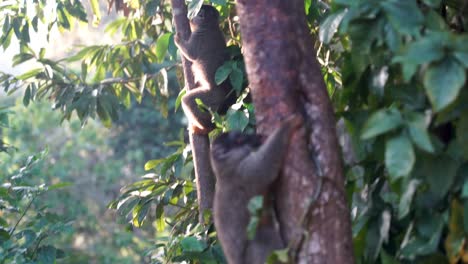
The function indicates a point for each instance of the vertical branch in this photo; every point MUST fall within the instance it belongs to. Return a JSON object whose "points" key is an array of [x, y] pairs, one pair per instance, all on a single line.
{"points": [[285, 79], [200, 143]]}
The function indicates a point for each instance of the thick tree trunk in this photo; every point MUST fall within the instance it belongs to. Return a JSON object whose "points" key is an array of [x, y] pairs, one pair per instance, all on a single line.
{"points": [[200, 143], [285, 79]]}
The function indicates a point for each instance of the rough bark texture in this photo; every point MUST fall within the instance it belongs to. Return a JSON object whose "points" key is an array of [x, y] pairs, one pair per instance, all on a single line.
{"points": [[200, 143], [285, 79]]}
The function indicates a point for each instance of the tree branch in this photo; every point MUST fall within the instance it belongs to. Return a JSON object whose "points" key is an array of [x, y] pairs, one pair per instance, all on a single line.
{"points": [[200, 143]]}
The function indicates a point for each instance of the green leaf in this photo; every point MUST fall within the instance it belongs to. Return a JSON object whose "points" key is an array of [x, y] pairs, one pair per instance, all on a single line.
{"points": [[22, 57], [252, 227], [63, 17], [405, 16], [417, 127], [399, 157], [4, 234], [34, 23], [161, 46], [42, 53], [405, 201], [438, 171], [103, 112], [255, 204], [47, 255], [192, 244], [236, 120], [5, 40], [140, 213], [25, 33], [160, 220], [84, 53], [223, 72], [279, 256], [150, 164], [381, 122], [27, 96], [435, 22], [16, 26], [29, 74], [425, 50], [462, 57], [330, 25], [96, 12], [443, 81], [115, 25], [236, 77], [77, 10], [179, 99], [84, 70]]}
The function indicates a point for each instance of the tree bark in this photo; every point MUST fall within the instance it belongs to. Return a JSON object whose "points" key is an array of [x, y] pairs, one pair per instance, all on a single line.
{"points": [[285, 79], [200, 144]]}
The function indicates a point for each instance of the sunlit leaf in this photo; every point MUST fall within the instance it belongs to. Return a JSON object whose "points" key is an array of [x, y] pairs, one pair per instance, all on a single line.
{"points": [[62, 16], [96, 12], [29, 74], [161, 46], [151, 164]]}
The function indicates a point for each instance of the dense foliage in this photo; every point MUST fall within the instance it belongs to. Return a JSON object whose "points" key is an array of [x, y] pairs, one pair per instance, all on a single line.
{"points": [[396, 73], [404, 98], [84, 162]]}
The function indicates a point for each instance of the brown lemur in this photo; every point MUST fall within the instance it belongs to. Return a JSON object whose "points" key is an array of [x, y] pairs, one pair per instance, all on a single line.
{"points": [[206, 49], [245, 166]]}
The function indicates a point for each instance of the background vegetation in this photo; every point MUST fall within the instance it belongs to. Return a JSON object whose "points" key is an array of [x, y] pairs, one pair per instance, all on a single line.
{"points": [[396, 73]]}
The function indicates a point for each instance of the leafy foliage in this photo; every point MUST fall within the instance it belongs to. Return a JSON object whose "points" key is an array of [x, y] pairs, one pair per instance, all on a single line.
{"points": [[28, 229], [403, 97]]}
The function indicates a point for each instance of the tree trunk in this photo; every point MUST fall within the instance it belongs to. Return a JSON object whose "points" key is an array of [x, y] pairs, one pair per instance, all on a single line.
{"points": [[200, 143], [285, 79]]}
